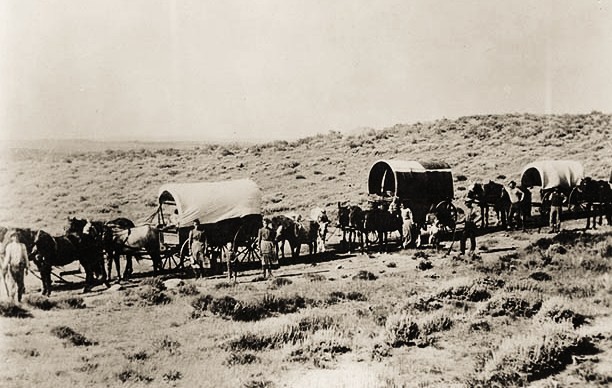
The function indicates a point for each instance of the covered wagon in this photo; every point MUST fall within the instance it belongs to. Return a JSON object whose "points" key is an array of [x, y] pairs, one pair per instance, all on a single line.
{"points": [[229, 213], [548, 175], [422, 186]]}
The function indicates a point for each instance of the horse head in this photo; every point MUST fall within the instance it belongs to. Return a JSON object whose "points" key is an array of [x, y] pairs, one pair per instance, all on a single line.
{"points": [[343, 215], [75, 226], [356, 217]]}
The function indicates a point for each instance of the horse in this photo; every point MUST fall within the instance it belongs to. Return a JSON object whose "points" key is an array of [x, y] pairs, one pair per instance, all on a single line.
{"points": [[382, 222], [596, 195], [319, 215], [115, 250], [491, 194], [50, 251], [307, 232], [132, 241], [351, 218]]}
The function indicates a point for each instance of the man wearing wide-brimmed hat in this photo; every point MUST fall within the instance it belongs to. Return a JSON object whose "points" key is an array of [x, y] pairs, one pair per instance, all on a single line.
{"points": [[469, 227], [14, 267], [265, 239]]}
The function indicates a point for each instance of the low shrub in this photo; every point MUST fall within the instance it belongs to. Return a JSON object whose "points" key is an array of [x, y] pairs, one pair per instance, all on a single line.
{"points": [[153, 296], [223, 285], [65, 332], [259, 384], [315, 277], [424, 265], [527, 357], [131, 375], [401, 329], [540, 276], [356, 296], [10, 310], [392, 265], [365, 275], [155, 283], [167, 344], [188, 289], [321, 348], [280, 282], [223, 306], [439, 321], [138, 356], [241, 359], [40, 302], [514, 304], [73, 302], [172, 375], [560, 310]]}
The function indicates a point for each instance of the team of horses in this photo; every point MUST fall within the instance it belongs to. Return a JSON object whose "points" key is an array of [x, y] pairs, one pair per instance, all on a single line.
{"points": [[97, 245]]}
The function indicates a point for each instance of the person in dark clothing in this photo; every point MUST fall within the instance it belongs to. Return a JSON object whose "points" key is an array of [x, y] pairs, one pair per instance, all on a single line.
{"points": [[556, 201], [469, 228]]}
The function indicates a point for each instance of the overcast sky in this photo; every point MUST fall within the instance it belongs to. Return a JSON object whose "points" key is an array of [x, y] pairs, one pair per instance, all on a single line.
{"points": [[262, 69]]}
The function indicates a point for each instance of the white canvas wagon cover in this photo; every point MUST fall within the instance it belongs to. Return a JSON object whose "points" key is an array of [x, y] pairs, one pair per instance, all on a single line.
{"points": [[211, 202], [549, 174]]}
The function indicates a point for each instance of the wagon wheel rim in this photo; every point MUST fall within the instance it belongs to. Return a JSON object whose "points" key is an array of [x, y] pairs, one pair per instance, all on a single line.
{"points": [[449, 209], [579, 206], [545, 205], [249, 251], [372, 237]]}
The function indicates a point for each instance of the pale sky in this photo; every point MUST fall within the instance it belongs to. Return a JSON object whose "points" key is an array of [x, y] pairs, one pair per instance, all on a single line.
{"points": [[263, 69]]}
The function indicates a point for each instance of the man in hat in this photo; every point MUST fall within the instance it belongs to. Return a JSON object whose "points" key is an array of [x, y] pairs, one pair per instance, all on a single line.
{"points": [[265, 239], [14, 267], [516, 199], [556, 201], [469, 227]]}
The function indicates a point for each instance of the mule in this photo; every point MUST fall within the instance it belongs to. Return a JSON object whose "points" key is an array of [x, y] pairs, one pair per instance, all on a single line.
{"points": [[596, 196], [50, 251], [351, 220], [382, 222], [115, 250], [133, 241], [491, 194]]}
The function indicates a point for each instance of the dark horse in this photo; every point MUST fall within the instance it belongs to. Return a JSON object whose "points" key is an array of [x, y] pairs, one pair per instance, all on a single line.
{"points": [[596, 196], [117, 237], [49, 251], [296, 233], [382, 222], [351, 219], [494, 195]]}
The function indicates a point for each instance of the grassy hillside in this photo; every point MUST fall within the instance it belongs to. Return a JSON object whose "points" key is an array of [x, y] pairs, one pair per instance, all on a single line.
{"points": [[42, 187]]}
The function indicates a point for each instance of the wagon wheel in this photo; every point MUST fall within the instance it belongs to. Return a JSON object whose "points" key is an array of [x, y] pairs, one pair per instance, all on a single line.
{"points": [[447, 214], [371, 237], [245, 246], [173, 257], [545, 205], [573, 204]]}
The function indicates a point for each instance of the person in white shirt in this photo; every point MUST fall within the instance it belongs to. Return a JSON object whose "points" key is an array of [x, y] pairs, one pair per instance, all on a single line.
{"points": [[15, 266]]}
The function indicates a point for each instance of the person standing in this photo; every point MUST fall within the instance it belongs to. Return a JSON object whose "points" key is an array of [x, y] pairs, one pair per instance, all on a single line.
{"points": [[265, 240], [197, 245], [407, 223], [516, 198], [469, 228], [15, 266], [556, 201]]}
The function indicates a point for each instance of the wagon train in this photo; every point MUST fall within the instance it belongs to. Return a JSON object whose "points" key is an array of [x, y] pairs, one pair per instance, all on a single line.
{"points": [[229, 213]]}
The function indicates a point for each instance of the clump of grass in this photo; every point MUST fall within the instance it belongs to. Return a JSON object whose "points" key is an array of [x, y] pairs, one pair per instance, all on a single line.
{"points": [[392, 265], [424, 304], [65, 332], [315, 277], [424, 265], [172, 375], [259, 384], [138, 356], [527, 357], [167, 344], [280, 282], [401, 329], [154, 282], [153, 296], [514, 304], [223, 285], [40, 302], [540, 276], [365, 275], [321, 348], [188, 289], [10, 310], [439, 321], [241, 359], [281, 332], [480, 325], [130, 375], [420, 255], [45, 303], [560, 310], [477, 290], [230, 308]]}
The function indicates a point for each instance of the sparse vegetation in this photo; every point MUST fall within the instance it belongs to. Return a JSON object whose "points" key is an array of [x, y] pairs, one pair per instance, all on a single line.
{"points": [[76, 339]]}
